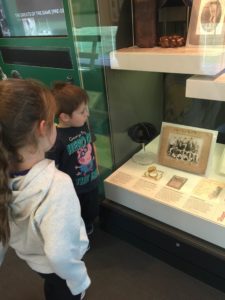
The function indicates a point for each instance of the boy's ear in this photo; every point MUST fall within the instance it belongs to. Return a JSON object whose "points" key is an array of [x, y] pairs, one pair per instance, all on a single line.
{"points": [[64, 117]]}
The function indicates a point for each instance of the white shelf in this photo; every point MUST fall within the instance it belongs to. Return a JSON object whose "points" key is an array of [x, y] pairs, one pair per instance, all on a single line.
{"points": [[203, 218], [183, 60], [206, 87]]}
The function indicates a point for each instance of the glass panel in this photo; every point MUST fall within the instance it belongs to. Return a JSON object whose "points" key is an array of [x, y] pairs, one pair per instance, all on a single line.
{"points": [[201, 113], [99, 28], [32, 18], [120, 99], [133, 97], [88, 43]]}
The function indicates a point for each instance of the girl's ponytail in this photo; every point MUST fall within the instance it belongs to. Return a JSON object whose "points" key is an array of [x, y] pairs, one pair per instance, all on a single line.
{"points": [[5, 192], [23, 105]]}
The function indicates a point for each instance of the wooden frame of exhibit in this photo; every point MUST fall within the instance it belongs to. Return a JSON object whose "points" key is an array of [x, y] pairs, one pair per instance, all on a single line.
{"points": [[186, 148], [207, 23]]}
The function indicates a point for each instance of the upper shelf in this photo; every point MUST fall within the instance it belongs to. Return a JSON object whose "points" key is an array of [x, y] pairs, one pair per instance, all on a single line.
{"points": [[183, 60]]}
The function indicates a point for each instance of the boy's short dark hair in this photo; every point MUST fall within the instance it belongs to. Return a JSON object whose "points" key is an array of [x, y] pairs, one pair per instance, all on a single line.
{"points": [[68, 97]]}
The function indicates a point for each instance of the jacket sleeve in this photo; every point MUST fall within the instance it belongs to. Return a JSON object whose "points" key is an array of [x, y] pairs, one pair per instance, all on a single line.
{"points": [[64, 235]]}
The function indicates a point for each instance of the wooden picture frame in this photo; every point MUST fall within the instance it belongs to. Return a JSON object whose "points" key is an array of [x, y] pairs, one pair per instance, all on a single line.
{"points": [[186, 148], [207, 23]]}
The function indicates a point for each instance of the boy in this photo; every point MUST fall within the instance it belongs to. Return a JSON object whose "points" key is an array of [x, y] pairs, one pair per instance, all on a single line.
{"points": [[73, 151]]}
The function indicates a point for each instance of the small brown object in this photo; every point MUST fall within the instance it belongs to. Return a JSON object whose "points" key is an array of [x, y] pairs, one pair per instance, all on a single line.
{"points": [[153, 173], [171, 41], [151, 169]]}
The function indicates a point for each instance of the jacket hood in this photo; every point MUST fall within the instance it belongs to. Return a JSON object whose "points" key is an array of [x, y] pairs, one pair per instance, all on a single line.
{"points": [[30, 191]]}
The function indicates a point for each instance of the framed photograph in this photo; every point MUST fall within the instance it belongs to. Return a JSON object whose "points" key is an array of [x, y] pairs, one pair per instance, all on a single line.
{"points": [[207, 23], [186, 148]]}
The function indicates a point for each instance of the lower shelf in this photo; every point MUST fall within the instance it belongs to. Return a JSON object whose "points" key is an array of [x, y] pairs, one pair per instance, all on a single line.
{"points": [[206, 87], [194, 256]]}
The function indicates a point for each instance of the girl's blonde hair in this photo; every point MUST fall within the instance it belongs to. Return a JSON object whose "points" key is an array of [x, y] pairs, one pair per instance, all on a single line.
{"points": [[23, 105]]}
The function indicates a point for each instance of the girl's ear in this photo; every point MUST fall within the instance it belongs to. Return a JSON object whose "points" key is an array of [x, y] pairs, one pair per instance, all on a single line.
{"points": [[42, 127]]}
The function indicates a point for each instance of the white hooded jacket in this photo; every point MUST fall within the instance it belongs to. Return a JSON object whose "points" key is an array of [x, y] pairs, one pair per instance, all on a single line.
{"points": [[47, 230]]}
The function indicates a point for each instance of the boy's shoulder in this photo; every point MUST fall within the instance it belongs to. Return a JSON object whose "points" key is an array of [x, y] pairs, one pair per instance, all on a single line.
{"points": [[63, 131]]}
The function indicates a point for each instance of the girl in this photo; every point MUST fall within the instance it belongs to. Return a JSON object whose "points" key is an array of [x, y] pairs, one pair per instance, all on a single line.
{"points": [[39, 209]]}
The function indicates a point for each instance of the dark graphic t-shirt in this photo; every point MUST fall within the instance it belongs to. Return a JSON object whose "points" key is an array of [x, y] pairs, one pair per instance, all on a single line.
{"points": [[74, 154]]}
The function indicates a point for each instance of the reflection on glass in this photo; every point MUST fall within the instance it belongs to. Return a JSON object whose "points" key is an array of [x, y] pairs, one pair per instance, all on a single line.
{"points": [[200, 113], [93, 44]]}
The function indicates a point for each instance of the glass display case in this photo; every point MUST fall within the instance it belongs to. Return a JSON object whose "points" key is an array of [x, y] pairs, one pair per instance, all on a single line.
{"points": [[156, 89], [145, 211]]}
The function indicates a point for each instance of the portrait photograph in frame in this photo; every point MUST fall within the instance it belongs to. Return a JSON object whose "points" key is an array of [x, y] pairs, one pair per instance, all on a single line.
{"points": [[207, 23], [186, 148]]}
